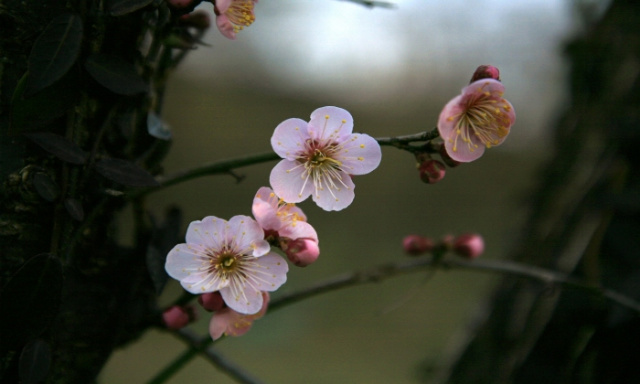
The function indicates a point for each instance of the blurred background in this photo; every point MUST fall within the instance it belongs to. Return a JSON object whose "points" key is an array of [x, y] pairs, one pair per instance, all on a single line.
{"points": [[393, 69]]}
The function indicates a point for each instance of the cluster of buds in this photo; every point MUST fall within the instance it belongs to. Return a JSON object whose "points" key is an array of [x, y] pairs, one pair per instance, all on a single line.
{"points": [[468, 245]]}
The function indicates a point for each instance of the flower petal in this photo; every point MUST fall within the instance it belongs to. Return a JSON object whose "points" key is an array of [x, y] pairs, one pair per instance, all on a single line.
{"points": [[360, 154], [246, 301], [225, 27], [289, 138], [208, 232], [272, 273], [288, 181], [184, 260], [336, 199], [330, 124], [297, 230], [247, 235], [265, 209]]}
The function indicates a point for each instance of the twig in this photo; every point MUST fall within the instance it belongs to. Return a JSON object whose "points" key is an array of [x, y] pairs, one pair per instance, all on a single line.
{"points": [[385, 271]]}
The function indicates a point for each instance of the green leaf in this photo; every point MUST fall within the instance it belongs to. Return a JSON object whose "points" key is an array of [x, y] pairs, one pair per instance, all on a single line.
{"points": [[122, 7], [54, 52], [59, 146], [30, 300], [35, 361], [125, 172], [115, 74]]}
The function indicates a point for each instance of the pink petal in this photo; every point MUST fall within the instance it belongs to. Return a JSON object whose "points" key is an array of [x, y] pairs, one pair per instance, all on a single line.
{"points": [[337, 126], [247, 234], [331, 199], [289, 138], [225, 27], [287, 181], [265, 209], [184, 260], [209, 232], [248, 302], [361, 154], [298, 230], [223, 5], [272, 273]]}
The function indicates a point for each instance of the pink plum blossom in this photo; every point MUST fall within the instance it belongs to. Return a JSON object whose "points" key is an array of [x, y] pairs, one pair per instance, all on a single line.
{"points": [[233, 16], [479, 118], [231, 257], [320, 157], [231, 323], [301, 252]]}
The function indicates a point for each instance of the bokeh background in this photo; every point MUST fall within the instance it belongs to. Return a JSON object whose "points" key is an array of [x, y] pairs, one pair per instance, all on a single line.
{"points": [[393, 69]]}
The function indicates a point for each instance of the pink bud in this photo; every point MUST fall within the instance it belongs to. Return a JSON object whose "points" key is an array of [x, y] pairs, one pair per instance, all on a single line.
{"points": [[416, 245], [485, 72], [176, 317], [301, 252], [211, 301], [470, 245], [432, 171], [199, 19], [182, 4]]}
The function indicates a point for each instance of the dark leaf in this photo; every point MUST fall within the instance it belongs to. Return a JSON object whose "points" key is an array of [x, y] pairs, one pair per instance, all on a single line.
{"points": [[115, 74], [59, 146], [46, 187], [125, 172], [54, 52], [11, 150], [30, 300], [74, 208], [122, 7], [35, 361], [163, 239], [48, 104], [157, 128]]}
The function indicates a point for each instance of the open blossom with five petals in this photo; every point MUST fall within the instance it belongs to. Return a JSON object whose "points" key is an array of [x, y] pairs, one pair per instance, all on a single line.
{"points": [[231, 323], [479, 118], [233, 15], [319, 158], [231, 257]]}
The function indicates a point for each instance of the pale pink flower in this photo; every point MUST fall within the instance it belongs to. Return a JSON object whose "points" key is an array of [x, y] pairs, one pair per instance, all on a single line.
{"points": [[231, 257], [319, 158], [479, 118], [233, 16], [231, 323]]}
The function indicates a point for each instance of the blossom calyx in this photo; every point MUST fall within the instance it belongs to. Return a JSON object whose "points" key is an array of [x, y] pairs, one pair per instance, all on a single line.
{"points": [[211, 301]]}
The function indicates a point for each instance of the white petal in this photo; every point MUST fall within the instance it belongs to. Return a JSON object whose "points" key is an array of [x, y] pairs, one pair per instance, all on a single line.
{"points": [[360, 154], [288, 181], [338, 198], [289, 138], [330, 124], [209, 232], [247, 300]]}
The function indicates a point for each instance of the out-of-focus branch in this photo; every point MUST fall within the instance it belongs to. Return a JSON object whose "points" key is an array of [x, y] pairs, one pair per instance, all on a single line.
{"points": [[377, 274], [373, 3]]}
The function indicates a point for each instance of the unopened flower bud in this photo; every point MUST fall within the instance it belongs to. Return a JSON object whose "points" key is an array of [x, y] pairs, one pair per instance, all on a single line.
{"points": [[211, 301], [301, 252], [485, 72], [177, 317], [199, 19], [415, 245], [432, 171], [183, 6], [470, 245]]}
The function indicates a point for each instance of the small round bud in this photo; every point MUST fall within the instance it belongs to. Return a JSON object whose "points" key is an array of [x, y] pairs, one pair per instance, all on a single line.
{"points": [[301, 252], [485, 72], [432, 171], [211, 301], [176, 317], [416, 245], [470, 245]]}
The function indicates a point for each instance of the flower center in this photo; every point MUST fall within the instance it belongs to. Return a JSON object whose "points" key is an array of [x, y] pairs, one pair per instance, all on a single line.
{"points": [[240, 14]]}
